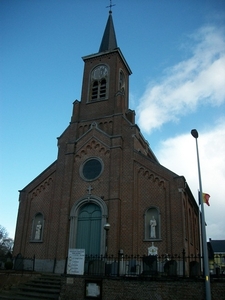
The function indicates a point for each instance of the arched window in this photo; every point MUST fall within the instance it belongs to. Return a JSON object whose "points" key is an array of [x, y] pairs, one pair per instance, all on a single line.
{"points": [[190, 227], [94, 94], [37, 228], [102, 93], [152, 224], [122, 82], [99, 83], [186, 217]]}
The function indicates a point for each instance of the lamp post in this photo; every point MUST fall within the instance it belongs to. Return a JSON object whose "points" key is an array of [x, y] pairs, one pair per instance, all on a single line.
{"points": [[194, 133], [106, 227]]}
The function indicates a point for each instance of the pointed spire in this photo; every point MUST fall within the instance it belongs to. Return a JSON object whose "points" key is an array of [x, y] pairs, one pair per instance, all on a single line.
{"points": [[109, 37]]}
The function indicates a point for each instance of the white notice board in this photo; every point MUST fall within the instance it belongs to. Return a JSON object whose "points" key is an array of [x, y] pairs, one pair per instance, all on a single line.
{"points": [[75, 264]]}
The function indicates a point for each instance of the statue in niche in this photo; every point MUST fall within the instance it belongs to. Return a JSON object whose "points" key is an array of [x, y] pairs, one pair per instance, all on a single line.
{"points": [[153, 225], [38, 231]]}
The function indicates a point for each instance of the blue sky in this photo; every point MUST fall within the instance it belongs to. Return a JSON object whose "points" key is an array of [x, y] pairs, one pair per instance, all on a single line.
{"points": [[176, 51]]}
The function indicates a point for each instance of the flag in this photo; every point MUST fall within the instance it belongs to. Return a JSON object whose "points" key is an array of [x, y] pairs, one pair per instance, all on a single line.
{"points": [[205, 198]]}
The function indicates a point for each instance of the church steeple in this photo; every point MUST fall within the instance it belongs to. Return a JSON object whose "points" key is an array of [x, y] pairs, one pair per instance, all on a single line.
{"points": [[105, 88], [109, 37]]}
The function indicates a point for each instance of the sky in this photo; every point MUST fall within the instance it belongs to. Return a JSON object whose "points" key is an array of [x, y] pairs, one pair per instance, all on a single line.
{"points": [[176, 51]]}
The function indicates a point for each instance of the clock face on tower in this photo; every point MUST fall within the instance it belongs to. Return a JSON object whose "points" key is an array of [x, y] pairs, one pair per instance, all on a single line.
{"points": [[100, 72]]}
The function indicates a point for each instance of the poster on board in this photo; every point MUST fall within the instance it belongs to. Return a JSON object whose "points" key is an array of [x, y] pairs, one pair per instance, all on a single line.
{"points": [[75, 263]]}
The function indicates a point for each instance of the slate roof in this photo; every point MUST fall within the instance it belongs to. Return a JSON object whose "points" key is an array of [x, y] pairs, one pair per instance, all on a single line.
{"points": [[216, 246], [109, 37]]}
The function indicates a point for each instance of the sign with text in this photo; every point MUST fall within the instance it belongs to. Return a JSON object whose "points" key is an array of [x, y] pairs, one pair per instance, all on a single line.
{"points": [[75, 264]]}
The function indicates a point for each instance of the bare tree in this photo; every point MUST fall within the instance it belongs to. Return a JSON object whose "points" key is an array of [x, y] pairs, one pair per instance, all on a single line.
{"points": [[6, 243]]}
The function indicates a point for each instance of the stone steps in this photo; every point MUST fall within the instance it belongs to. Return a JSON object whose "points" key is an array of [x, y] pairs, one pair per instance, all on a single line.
{"points": [[43, 287]]}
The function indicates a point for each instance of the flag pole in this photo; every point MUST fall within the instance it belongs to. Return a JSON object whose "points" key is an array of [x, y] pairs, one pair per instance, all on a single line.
{"points": [[194, 133]]}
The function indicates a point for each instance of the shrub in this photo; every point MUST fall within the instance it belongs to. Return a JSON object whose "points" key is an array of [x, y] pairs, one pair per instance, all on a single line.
{"points": [[9, 265]]}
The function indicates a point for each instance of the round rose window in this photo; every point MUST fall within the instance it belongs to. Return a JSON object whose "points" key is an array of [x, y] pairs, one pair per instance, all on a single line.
{"points": [[91, 169]]}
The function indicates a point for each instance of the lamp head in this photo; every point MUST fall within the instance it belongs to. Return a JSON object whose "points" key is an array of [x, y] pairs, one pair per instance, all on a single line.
{"points": [[107, 226], [194, 133]]}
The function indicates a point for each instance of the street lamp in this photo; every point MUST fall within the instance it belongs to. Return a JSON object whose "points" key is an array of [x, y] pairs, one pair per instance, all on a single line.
{"points": [[106, 227], [194, 133]]}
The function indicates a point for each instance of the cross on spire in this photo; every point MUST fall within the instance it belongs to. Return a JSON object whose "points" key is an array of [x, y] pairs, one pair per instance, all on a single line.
{"points": [[110, 6]]}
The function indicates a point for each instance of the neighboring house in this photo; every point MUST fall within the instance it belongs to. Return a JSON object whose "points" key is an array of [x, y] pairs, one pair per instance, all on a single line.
{"points": [[216, 250]]}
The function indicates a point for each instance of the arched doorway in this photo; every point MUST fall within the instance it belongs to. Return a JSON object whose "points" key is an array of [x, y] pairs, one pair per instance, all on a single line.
{"points": [[88, 235], [87, 219]]}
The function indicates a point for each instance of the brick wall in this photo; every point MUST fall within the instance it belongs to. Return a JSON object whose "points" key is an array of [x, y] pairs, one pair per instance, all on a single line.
{"points": [[132, 289]]}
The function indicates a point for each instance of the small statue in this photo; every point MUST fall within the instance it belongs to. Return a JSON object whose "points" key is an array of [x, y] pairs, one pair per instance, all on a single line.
{"points": [[153, 225], [38, 231], [153, 250]]}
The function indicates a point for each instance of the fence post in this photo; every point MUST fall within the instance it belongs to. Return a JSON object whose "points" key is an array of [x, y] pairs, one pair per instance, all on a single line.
{"points": [[34, 262], [183, 253], [65, 267], [120, 255], [54, 265]]}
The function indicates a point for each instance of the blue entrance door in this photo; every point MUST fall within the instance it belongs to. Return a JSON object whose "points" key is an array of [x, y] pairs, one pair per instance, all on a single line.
{"points": [[89, 229]]}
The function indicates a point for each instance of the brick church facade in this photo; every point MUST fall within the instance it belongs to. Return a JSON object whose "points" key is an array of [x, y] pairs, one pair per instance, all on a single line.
{"points": [[105, 177]]}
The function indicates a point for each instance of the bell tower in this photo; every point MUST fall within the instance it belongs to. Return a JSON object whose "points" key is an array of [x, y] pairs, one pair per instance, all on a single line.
{"points": [[105, 86]]}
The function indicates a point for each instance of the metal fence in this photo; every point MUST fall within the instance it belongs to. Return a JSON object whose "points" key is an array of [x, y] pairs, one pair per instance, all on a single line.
{"points": [[18, 263], [152, 265], [135, 265], [24, 263], [144, 266]]}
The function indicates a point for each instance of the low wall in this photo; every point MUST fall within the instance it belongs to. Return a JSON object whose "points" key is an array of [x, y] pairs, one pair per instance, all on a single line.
{"points": [[144, 289], [10, 278]]}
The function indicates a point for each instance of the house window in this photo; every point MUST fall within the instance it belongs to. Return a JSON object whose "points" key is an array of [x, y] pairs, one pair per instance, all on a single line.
{"points": [[99, 82]]}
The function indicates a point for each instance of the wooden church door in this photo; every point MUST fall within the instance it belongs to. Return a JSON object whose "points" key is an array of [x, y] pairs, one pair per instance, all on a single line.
{"points": [[89, 229]]}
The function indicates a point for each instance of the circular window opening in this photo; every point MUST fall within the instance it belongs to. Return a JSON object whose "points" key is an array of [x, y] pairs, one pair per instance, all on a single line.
{"points": [[92, 169]]}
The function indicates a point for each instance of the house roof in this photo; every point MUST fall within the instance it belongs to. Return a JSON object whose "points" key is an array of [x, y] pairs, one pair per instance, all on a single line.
{"points": [[109, 37], [217, 246]]}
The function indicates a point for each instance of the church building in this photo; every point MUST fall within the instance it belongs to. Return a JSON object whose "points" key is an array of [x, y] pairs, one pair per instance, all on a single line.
{"points": [[106, 192]]}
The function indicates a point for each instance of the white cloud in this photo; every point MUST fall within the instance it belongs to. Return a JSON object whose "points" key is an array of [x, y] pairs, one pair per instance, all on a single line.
{"points": [[199, 80], [179, 155], [191, 82]]}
